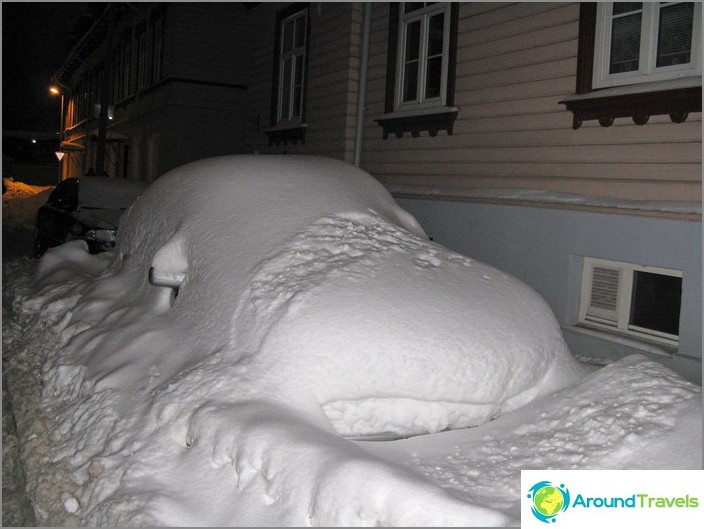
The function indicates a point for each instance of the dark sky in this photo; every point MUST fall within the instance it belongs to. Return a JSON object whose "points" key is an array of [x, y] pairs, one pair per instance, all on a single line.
{"points": [[34, 44]]}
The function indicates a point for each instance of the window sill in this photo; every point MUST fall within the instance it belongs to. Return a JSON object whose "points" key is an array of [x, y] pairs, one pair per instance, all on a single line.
{"points": [[677, 98], [631, 343], [431, 119], [283, 134]]}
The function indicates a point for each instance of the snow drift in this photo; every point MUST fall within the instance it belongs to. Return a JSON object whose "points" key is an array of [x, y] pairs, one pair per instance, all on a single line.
{"points": [[310, 308], [309, 278]]}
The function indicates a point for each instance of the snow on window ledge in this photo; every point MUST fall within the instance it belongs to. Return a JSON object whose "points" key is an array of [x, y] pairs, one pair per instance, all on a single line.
{"points": [[537, 197]]}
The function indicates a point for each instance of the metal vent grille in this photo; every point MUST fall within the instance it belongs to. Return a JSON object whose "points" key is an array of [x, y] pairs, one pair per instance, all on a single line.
{"points": [[605, 285]]}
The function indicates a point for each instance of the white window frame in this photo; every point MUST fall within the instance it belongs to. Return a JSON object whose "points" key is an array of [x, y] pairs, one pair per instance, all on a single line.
{"points": [[617, 320], [287, 116], [647, 72], [404, 21]]}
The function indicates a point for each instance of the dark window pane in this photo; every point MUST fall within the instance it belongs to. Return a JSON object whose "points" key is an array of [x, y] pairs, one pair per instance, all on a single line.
{"points": [[625, 44], [433, 77], [298, 87], [410, 81], [287, 39], [286, 90], [656, 302], [435, 32], [410, 70], [413, 41], [626, 7], [65, 195], [300, 31], [299, 70], [675, 34], [297, 94]]}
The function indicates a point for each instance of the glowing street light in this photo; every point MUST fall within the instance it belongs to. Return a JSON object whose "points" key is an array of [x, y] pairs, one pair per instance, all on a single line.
{"points": [[55, 90]]}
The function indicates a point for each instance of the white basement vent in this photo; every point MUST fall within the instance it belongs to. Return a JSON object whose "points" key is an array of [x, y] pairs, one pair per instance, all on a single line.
{"points": [[635, 300], [603, 300]]}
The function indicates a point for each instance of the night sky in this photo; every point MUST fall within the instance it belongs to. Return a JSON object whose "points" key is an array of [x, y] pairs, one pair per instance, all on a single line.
{"points": [[35, 41]]}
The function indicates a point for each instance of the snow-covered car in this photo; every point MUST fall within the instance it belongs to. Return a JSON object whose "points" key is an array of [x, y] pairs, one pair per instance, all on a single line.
{"points": [[261, 318], [87, 208], [313, 248]]}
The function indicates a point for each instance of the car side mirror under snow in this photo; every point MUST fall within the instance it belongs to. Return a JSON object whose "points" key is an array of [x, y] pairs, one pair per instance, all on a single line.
{"points": [[169, 265], [161, 278]]}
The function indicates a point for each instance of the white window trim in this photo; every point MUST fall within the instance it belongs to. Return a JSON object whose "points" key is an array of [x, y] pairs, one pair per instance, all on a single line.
{"points": [[290, 56], [618, 320], [647, 71], [404, 20]]}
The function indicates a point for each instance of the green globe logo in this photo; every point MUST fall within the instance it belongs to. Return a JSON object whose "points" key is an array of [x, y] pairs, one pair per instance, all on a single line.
{"points": [[548, 500]]}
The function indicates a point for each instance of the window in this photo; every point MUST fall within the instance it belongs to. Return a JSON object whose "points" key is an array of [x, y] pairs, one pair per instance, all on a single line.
{"points": [[631, 299], [637, 60], [142, 59], [65, 195], [100, 85], [422, 64], [288, 99], [116, 75], [421, 68], [126, 74], [157, 48], [652, 41], [292, 57]]}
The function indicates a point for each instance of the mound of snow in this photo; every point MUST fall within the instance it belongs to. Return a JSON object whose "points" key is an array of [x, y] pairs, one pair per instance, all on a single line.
{"points": [[306, 271], [312, 307], [20, 203]]}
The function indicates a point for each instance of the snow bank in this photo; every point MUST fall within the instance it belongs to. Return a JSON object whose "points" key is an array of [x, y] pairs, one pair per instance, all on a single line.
{"points": [[631, 414], [312, 307], [307, 272], [20, 203]]}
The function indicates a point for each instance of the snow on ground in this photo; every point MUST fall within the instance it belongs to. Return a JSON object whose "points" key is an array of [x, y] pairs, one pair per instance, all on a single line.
{"points": [[20, 203], [312, 308]]}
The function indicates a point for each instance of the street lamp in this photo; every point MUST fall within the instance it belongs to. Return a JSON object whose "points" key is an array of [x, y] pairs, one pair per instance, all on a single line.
{"points": [[56, 89]]}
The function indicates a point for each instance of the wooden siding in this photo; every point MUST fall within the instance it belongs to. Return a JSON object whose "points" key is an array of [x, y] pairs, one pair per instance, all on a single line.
{"points": [[333, 65], [206, 41], [515, 62]]}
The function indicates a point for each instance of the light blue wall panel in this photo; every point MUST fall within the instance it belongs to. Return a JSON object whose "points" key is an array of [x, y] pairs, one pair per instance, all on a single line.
{"points": [[544, 247]]}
